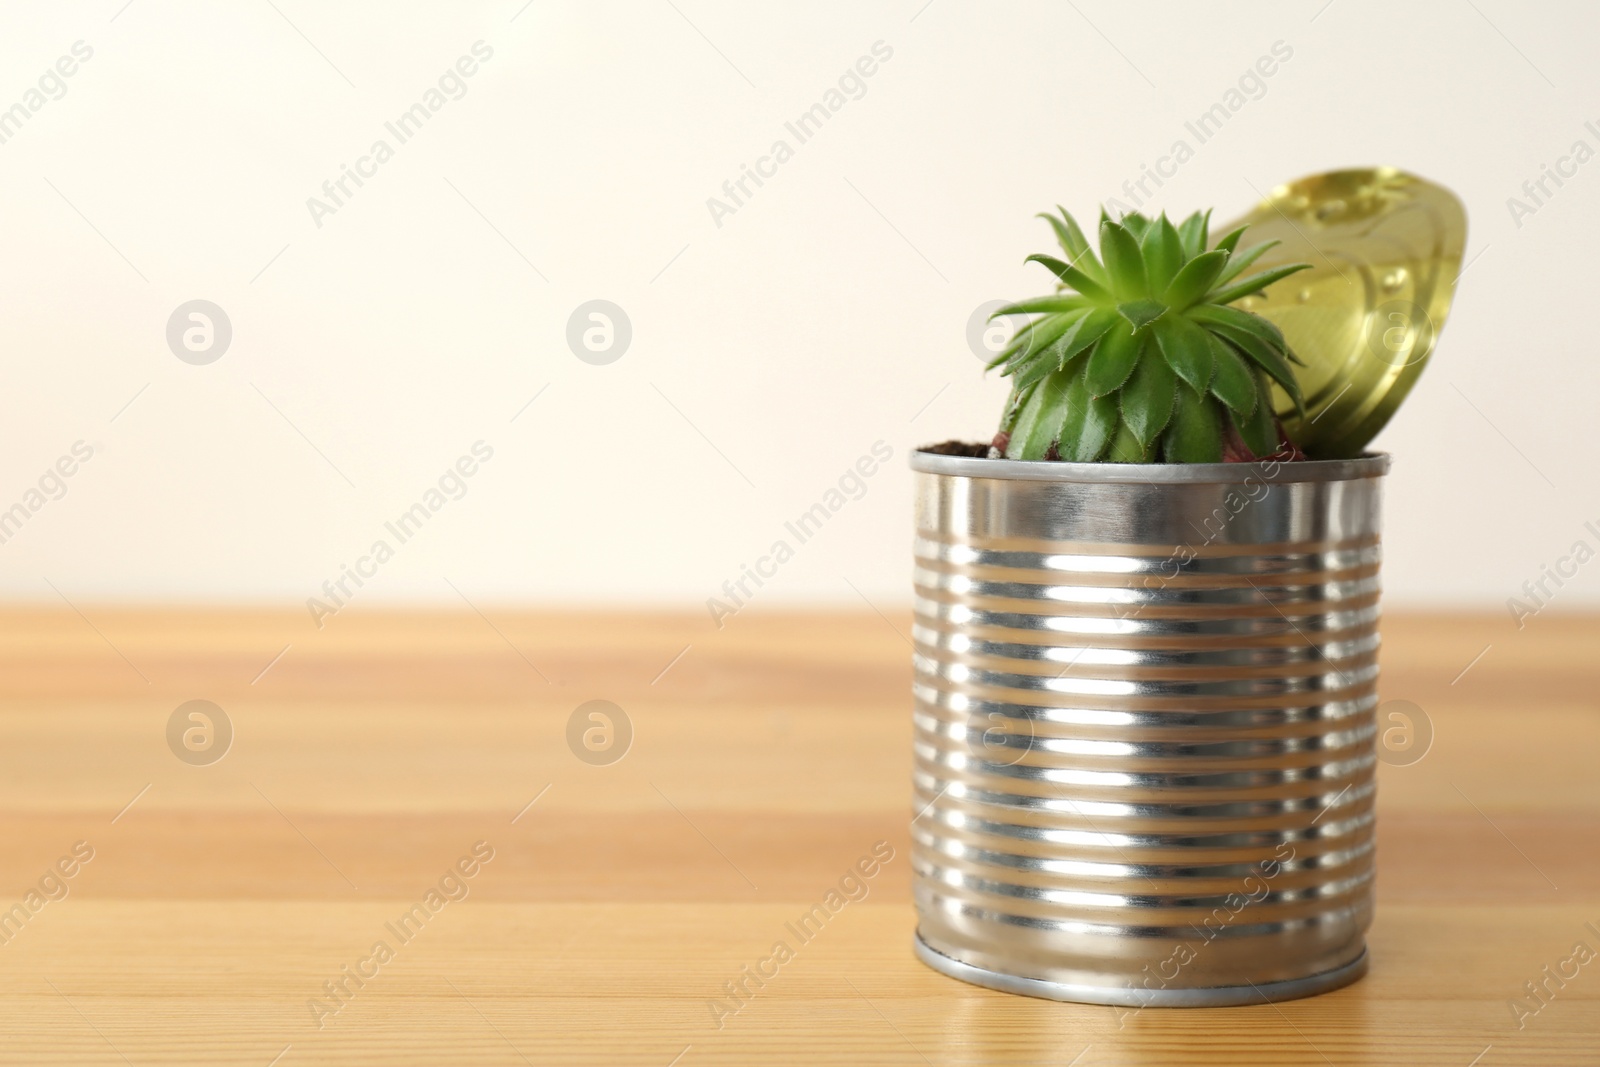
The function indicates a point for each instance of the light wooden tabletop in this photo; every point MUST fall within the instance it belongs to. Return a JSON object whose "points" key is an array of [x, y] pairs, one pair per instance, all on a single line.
{"points": [[178, 911]]}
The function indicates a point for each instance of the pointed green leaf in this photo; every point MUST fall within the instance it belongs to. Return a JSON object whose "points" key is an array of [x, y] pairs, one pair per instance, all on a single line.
{"points": [[1089, 262], [1042, 304], [1195, 433], [1012, 346], [1259, 430], [1135, 224], [1032, 370], [1089, 424], [1187, 350], [1034, 336], [1192, 234], [1014, 404], [1064, 236], [1017, 346], [1126, 448], [1254, 283], [1234, 383], [1146, 401], [1242, 320], [1242, 260], [1025, 347], [1039, 421], [1230, 240], [1070, 236], [1085, 332], [1264, 356], [1075, 278], [1141, 313], [1196, 232], [1197, 275], [1163, 254], [1124, 262], [1112, 360]]}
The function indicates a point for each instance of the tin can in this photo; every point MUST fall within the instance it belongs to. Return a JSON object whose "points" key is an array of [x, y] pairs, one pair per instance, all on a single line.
{"points": [[1144, 726]]}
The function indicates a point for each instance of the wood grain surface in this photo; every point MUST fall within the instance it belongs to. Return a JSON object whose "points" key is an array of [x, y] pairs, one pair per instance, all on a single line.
{"points": [[371, 758]]}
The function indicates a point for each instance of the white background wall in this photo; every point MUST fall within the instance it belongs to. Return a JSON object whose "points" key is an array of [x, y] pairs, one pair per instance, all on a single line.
{"points": [[768, 353]]}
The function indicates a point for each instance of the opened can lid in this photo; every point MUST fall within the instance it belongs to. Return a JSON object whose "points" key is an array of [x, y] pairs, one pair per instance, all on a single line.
{"points": [[1385, 249]]}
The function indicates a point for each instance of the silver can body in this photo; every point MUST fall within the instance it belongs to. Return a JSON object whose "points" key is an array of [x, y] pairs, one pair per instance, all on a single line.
{"points": [[1144, 726]]}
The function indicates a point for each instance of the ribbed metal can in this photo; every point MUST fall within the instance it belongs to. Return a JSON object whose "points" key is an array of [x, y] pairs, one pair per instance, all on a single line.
{"points": [[1144, 726]]}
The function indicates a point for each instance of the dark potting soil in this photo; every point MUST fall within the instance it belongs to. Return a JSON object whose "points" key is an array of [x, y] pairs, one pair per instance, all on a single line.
{"points": [[957, 448], [1233, 450]]}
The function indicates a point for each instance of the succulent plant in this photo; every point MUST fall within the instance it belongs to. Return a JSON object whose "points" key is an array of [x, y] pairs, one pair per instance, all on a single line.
{"points": [[1138, 358]]}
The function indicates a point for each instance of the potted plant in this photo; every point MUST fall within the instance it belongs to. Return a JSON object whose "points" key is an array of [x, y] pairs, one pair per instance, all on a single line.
{"points": [[1146, 648]]}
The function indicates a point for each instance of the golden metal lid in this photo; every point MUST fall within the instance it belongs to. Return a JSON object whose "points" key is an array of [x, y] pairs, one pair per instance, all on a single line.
{"points": [[1385, 250]]}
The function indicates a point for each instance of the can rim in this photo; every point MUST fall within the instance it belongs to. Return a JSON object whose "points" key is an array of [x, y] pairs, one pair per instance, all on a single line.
{"points": [[1367, 465]]}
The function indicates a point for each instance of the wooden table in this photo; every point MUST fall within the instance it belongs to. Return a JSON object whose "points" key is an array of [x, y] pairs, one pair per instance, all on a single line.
{"points": [[371, 757]]}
